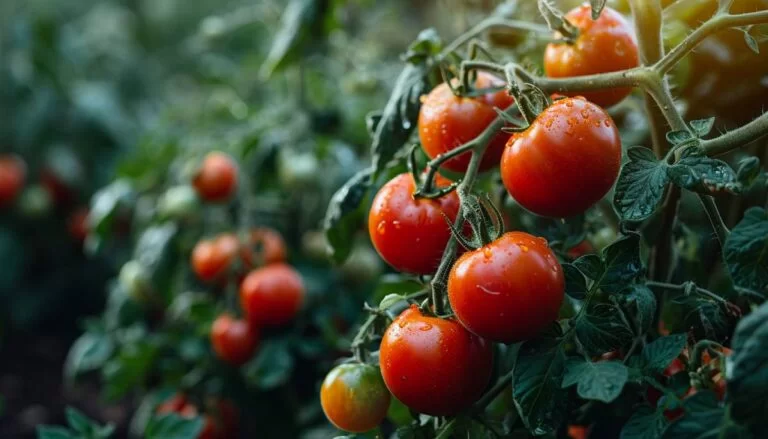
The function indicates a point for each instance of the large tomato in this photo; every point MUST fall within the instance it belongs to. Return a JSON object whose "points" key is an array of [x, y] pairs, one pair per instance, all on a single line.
{"points": [[411, 234], [565, 162], [447, 121], [216, 180], [603, 45], [264, 246], [13, 172], [433, 365], [212, 258], [354, 397], [272, 295], [233, 340], [509, 290]]}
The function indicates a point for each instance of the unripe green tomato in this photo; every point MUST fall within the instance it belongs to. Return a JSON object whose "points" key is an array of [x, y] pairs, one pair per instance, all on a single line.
{"points": [[35, 202], [178, 202], [297, 170], [603, 238], [135, 280], [362, 265]]}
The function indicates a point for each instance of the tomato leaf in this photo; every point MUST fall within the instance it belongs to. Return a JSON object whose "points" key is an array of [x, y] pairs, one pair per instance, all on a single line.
{"points": [[699, 173], [622, 263], [173, 426], [748, 368], [296, 19], [130, 366], [678, 137], [48, 432], [597, 7], [702, 127], [645, 423], [746, 253], [575, 284], [640, 186], [704, 418], [601, 381], [600, 329], [538, 393], [751, 41], [271, 368], [88, 353], [106, 203], [154, 251], [345, 214], [644, 303], [660, 353], [590, 265], [87, 427], [749, 171], [390, 300]]}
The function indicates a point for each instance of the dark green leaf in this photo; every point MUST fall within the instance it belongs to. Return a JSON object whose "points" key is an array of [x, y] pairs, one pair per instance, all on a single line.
{"points": [[173, 426], [47, 432], [640, 186], [678, 137], [78, 421], [575, 284], [106, 203], [272, 367], [644, 424], [704, 419], [746, 252], [702, 174], [345, 214], [124, 372], [154, 251], [600, 329], [702, 127], [538, 394], [622, 263], [372, 120], [601, 381], [597, 8], [297, 17], [88, 353], [427, 44], [748, 368], [748, 171], [660, 353], [590, 265], [645, 304], [389, 300]]}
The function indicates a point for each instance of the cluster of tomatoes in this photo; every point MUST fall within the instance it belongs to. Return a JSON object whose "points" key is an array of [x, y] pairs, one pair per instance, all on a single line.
{"points": [[508, 289], [220, 418]]}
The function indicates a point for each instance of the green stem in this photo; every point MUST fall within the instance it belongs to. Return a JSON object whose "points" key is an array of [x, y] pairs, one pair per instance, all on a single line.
{"points": [[736, 138], [494, 391], [358, 343], [715, 218], [682, 287]]}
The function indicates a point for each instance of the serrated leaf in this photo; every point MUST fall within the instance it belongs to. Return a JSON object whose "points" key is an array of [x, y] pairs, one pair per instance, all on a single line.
{"points": [[644, 302], [746, 252], [747, 368], [600, 329], [645, 424], [622, 263], [389, 300], [538, 394], [751, 42], [597, 7], [702, 127], [601, 381], [748, 171], [678, 137], [272, 366], [702, 174], [173, 426], [575, 284], [296, 17], [345, 213], [640, 186], [660, 353], [590, 265]]}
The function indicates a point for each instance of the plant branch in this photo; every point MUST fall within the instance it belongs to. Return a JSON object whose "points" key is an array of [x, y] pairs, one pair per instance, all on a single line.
{"points": [[736, 138], [715, 218], [494, 391], [684, 286]]}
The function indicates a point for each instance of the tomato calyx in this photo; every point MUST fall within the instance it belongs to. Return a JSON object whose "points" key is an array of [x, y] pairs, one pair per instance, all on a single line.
{"points": [[485, 228], [425, 184], [568, 33]]}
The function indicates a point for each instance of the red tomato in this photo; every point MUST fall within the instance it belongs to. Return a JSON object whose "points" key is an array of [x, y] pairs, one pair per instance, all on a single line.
{"points": [[173, 404], [233, 340], [411, 234], [13, 173], [447, 121], [272, 295], [603, 45], [265, 246], [434, 365], [216, 180], [565, 162], [354, 397], [578, 431], [580, 249], [78, 224], [509, 290], [212, 258], [675, 367]]}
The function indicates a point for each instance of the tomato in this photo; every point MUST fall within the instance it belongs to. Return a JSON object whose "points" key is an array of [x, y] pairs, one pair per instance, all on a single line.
{"points": [[223, 426], [675, 367], [135, 281], [578, 432], [212, 258], [580, 249], [174, 404], [77, 224], [447, 121], [208, 431], [233, 340], [565, 162], [509, 290], [216, 180], [265, 246], [398, 221], [272, 295], [433, 365], [603, 45], [354, 397], [13, 173]]}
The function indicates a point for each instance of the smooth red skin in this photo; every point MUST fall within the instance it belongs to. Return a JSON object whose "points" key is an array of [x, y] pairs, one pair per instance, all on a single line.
{"points": [[78, 224], [265, 246], [578, 432], [509, 290], [272, 295], [216, 180], [565, 162], [411, 234], [433, 365], [354, 397], [13, 173], [233, 340], [447, 121], [211, 258], [604, 45]]}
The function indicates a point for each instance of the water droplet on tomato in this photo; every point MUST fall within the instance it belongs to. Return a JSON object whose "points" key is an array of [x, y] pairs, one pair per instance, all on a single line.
{"points": [[607, 123], [524, 248], [487, 253], [486, 290], [425, 327], [396, 224], [381, 227]]}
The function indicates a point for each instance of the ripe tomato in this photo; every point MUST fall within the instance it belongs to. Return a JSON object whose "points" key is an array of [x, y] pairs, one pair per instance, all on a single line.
{"points": [[211, 258], [174, 404], [447, 121], [13, 172], [216, 180], [354, 397], [272, 295], [509, 290], [675, 367], [265, 246], [603, 45], [77, 224], [565, 162], [433, 365], [233, 340], [578, 432], [398, 221], [580, 249]]}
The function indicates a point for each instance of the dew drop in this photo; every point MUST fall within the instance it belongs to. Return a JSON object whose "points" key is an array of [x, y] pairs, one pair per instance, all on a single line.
{"points": [[524, 248], [487, 290], [487, 253], [607, 123], [396, 224], [381, 227]]}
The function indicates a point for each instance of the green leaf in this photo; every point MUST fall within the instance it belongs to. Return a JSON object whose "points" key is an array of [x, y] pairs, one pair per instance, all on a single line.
{"points": [[590, 265], [751, 42], [749, 171], [678, 137], [702, 127], [640, 186], [345, 214], [88, 353], [389, 300], [154, 251], [660, 353], [49, 432], [748, 368], [427, 44], [78, 421], [645, 304], [597, 7], [538, 394], [644, 424], [296, 19], [600, 329], [699, 173], [126, 371], [704, 419], [173, 426], [271, 368], [622, 263], [106, 203], [746, 252], [575, 284], [601, 381]]}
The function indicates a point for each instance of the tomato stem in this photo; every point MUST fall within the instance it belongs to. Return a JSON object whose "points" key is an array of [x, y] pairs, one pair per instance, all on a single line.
{"points": [[710, 207], [736, 138]]}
